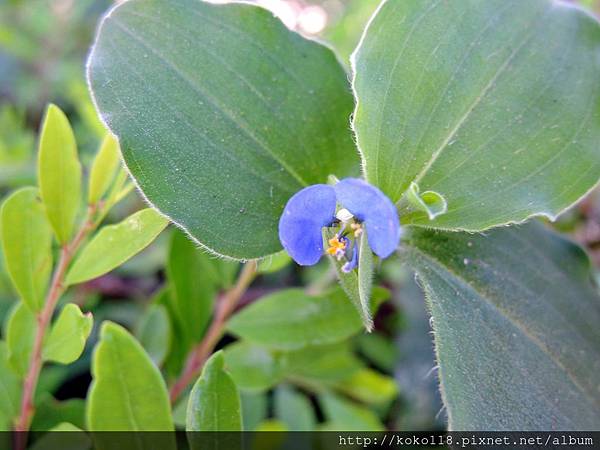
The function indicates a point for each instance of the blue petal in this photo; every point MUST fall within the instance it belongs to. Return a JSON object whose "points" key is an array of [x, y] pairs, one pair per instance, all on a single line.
{"points": [[369, 205], [300, 225], [350, 265]]}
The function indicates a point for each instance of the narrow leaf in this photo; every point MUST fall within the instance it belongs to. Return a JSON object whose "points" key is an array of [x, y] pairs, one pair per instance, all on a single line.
{"points": [[10, 391], [59, 173], [215, 401], [515, 318], [115, 244], [194, 277], [20, 335], [154, 333], [127, 391], [68, 335], [103, 169], [27, 245]]}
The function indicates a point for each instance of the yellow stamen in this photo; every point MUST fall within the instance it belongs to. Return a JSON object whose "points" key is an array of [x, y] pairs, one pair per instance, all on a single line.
{"points": [[335, 246]]}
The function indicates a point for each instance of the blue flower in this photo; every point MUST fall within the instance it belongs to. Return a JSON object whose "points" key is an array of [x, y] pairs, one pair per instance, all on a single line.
{"points": [[351, 205]]}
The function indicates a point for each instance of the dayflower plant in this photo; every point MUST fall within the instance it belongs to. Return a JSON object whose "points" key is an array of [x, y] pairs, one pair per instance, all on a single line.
{"points": [[354, 207]]}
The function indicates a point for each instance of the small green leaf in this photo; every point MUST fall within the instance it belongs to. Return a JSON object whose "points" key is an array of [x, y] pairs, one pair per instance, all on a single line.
{"points": [[115, 244], [59, 173], [369, 386], [253, 368], [291, 319], [294, 409], [430, 202], [274, 263], [215, 401], [344, 415], [154, 332], [20, 334], [128, 392], [10, 391], [103, 169], [68, 335], [27, 245]]}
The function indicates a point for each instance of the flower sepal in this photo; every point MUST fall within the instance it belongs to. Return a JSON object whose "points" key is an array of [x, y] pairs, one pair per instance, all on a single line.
{"points": [[355, 276]]}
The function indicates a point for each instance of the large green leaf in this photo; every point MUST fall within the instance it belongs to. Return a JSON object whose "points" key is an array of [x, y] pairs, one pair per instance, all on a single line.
{"points": [[214, 403], [516, 317], [291, 319], [127, 392], [222, 114], [477, 101], [59, 172], [27, 245], [115, 244]]}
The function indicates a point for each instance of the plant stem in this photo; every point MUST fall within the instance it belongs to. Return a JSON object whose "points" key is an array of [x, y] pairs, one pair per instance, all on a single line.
{"points": [[202, 351], [43, 320]]}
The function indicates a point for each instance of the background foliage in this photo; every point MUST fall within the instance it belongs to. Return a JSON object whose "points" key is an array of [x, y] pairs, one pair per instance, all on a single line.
{"points": [[336, 377]]}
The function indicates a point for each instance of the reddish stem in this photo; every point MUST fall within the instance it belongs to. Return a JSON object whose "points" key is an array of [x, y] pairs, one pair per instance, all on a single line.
{"points": [[43, 319], [202, 351]]}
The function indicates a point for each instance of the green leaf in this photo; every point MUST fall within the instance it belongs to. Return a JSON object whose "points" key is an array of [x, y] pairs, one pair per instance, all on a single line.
{"points": [[234, 124], [20, 334], [274, 263], [254, 409], [68, 335], [476, 101], [515, 318], [59, 173], [215, 401], [104, 168], [194, 277], [369, 386], [127, 391], [357, 284], [294, 409], [252, 368], [115, 244], [10, 391], [291, 319], [344, 415], [324, 364], [65, 436], [27, 245], [154, 333], [432, 203], [50, 413]]}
